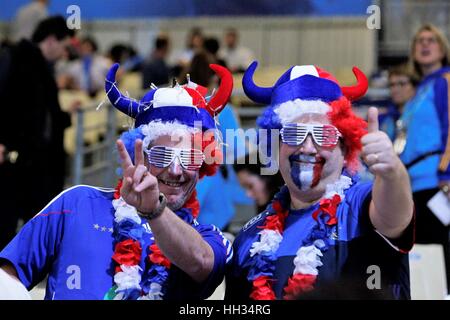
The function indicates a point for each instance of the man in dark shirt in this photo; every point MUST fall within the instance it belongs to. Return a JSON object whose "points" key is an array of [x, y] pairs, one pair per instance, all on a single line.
{"points": [[32, 131], [325, 227], [156, 70]]}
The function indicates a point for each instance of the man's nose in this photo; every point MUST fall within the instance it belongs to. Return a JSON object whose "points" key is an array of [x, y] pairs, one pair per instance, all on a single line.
{"points": [[308, 146], [175, 167]]}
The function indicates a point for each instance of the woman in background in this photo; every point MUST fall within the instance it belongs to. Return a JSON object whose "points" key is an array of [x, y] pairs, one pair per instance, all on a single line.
{"points": [[423, 131], [259, 187]]}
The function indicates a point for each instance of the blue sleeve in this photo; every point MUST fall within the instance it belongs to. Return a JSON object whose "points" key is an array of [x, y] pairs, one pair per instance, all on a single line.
{"points": [[359, 202], [223, 253], [441, 103], [185, 287], [35, 247]]}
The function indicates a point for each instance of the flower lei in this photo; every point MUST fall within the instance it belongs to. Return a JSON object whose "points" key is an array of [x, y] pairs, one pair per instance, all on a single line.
{"points": [[263, 252], [131, 281]]}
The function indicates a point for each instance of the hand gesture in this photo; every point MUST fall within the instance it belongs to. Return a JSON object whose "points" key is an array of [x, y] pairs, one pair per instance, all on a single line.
{"points": [[139, 187], [378, 152]]}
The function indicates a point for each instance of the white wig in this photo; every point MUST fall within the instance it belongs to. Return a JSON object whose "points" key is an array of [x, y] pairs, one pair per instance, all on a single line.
{"points": [[155, 129], [291, 110]]}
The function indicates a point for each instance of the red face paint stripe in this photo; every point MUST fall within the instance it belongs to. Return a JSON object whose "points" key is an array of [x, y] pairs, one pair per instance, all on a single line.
{"points": [[317, 173]]}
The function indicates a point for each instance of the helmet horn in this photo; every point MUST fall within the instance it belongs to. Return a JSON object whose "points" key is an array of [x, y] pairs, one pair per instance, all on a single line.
{"points": [[118, 100], [257, 94], [357, 91], [219, 100]]}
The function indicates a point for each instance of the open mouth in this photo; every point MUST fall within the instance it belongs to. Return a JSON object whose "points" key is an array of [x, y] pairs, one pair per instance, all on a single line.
{"points": [[305, 159], [173, 184]]}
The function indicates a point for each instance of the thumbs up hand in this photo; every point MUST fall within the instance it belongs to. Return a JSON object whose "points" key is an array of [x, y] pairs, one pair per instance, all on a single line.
{"points": [[372, 120], [378, 151]]}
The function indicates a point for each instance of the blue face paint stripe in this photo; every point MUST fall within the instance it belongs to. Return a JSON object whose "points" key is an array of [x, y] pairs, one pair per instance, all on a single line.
{"points": [[295, 175], [295, 170]]}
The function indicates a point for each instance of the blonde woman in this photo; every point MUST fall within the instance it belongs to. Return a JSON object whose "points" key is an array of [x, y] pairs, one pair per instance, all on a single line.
{"points": [[424, 129]]}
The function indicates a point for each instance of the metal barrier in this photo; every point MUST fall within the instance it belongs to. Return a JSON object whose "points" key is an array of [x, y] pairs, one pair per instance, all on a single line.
{"points": [[95, 164]]}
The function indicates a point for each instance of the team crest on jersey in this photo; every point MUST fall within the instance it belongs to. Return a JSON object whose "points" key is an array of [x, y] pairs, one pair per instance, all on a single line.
{"points": [[147, 227], [255, 219]]}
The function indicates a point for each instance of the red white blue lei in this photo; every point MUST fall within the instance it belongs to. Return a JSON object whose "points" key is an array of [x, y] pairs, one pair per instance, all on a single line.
{"points": [[131, 282], [308, 259]]}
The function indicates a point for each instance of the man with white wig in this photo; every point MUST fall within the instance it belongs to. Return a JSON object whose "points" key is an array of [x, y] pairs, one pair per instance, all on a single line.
{"points": [[325, 229], [140, 240]]}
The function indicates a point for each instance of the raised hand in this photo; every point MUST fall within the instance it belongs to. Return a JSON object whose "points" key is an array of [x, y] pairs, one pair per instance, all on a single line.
{"points": [[378, 152], [139, 187]]}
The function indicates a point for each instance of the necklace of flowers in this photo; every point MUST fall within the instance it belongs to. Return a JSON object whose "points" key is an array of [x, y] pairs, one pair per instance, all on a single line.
{"points": [[263, 252], [131, 282]]}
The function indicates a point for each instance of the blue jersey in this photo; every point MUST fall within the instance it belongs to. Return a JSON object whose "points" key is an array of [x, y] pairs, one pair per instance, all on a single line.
{"points": [[426, 119], [71, 241], [388, 121], [354, 247]]}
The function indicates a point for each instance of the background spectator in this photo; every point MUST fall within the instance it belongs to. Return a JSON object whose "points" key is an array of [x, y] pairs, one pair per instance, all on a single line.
{"points": [[401, 84], [237, 58], [156, 70], [425, 128], [89, 71], [261, 188], [27, 19], [35, 125]]}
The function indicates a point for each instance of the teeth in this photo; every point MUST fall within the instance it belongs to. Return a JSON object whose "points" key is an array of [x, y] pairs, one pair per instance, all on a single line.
{"points": [[172, 184], [308, 159]]}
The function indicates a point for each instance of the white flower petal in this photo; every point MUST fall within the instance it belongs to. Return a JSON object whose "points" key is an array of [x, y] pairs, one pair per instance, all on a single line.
{"points": [[338, 187], [154, 292], [129, 278], [269, 242], [126, 212], [307, 260]]}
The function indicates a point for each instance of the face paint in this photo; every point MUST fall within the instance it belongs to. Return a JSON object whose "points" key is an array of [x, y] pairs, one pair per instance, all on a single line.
{"points": [[305, 170]]}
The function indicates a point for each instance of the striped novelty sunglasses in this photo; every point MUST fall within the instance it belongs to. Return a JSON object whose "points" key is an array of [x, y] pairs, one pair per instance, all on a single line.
{"points": [[324, 135], [162, 157]]}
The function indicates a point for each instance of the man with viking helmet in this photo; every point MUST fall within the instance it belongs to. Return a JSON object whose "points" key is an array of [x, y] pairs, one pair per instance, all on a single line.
{"points": [[140, 240], [325, 229]]}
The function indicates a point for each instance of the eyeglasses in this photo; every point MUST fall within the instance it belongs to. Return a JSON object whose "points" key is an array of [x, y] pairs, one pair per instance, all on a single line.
{"points": [[424, 40], [325, 135], [399, 83], [162, 157]]}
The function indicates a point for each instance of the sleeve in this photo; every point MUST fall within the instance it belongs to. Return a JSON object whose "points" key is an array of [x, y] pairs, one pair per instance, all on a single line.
{"points": [[183, 287], [237, 287], [34, 248], [403, 244], [441, 101]]}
